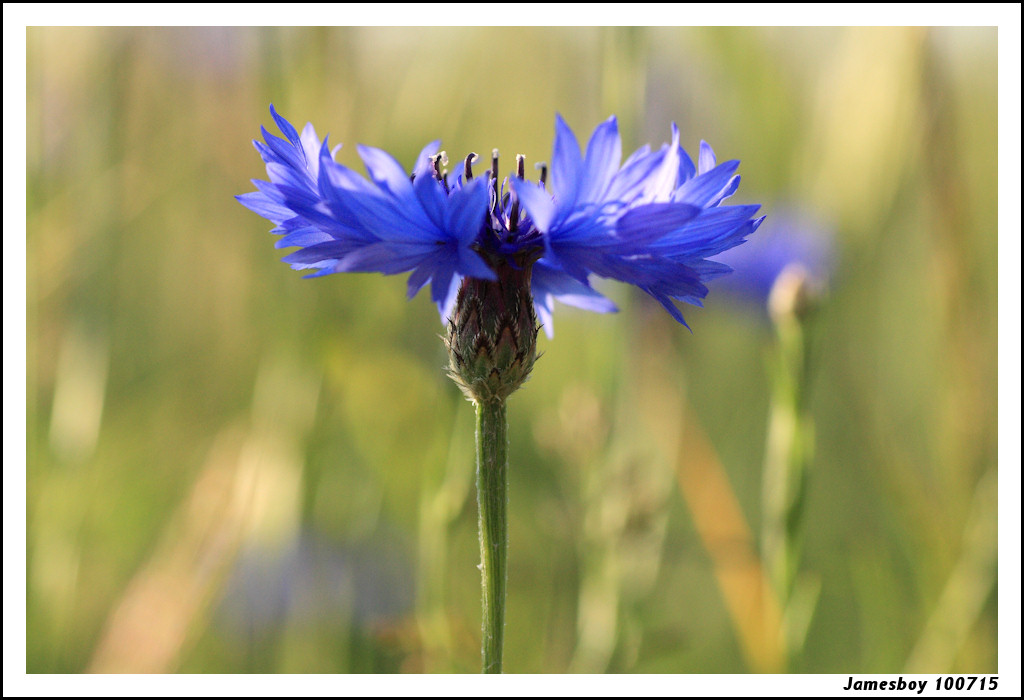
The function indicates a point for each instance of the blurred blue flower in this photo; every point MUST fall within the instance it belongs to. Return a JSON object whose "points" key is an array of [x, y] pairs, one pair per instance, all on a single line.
{"points": [[310, 579], [793, 238], [652, 221]]}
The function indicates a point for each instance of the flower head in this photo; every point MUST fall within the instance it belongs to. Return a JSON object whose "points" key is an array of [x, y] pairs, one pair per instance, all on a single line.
{"points": [[652, 221]]}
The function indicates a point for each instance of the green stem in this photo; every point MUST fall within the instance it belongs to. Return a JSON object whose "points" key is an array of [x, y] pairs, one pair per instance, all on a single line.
{"points": [[788, 456], [492, 500]]}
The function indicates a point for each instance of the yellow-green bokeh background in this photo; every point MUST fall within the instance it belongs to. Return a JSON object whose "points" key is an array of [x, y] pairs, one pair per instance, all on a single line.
{"points": [[198, 413]]}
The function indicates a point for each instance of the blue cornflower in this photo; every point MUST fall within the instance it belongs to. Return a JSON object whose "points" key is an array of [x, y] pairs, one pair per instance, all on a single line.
{"points": [[794, 238], [652, 221]]}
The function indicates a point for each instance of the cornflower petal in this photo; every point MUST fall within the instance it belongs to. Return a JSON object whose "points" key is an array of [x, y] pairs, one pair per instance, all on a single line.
{"points": [[687, 170], [385, 171], [703, 189], [604, 153], [265, 207], [465, 211], [425, 160], [432, 198], [306, 236], [633, 180], [706, 161], [283, 124], [648, 223], [566, 164], [537, 202], [663, 180]]}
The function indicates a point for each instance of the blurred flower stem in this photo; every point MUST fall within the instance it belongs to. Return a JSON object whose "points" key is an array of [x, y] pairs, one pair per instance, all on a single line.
{"points": [[788, 455], [492, 501]]}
